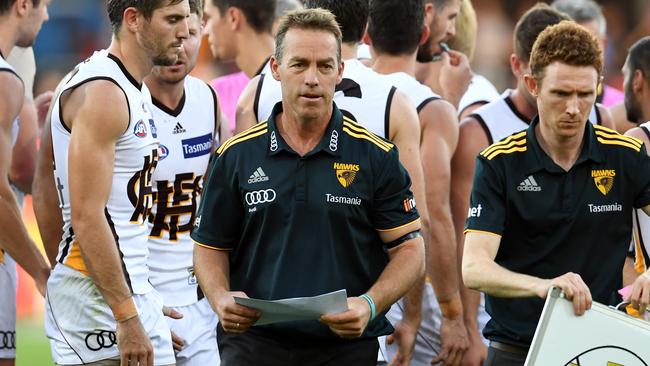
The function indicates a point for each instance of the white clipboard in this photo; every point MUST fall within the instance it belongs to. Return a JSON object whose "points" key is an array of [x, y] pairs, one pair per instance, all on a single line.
{"points": [[601, 337]]}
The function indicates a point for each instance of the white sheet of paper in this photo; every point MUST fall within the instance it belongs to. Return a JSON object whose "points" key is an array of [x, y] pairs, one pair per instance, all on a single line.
{"points": [[297, 308]]}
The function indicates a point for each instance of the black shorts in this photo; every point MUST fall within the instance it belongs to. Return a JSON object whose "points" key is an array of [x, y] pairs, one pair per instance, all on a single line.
{"points": [[257, 348]]}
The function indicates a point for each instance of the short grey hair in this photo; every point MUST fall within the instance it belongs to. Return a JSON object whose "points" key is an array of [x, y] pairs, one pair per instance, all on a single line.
{"points": [[308, 19], [583, 11]]}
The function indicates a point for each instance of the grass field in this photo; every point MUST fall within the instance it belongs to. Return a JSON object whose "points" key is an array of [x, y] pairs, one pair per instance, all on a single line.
{"points": [[33, 347]]}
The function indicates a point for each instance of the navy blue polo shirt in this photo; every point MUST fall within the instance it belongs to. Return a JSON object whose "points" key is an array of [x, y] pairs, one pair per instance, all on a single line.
{"points": [[304, 226], [553, 221]]}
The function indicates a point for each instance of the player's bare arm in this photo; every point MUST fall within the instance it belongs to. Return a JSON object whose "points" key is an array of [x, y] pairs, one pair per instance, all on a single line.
{"points": [[23, 156], [245, 114], [640, 294], [606, 119], [44, 188], [471, 140], [44, 198], [439, 139], [96, 119], [405, 266], [405, 134], [482, 273], [15, 241]]}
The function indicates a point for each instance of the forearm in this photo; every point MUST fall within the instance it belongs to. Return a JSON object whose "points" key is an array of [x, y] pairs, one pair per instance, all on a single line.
{"points": [[487, 276], [212, 269], [48, 217], [44, 198], [442, 267], [101, 257], [452, 96], [15, 238], [471, 302], [405, 267], [413, 303]]}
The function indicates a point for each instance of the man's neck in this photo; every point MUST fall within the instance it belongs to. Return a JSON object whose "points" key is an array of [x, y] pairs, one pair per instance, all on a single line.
{"points": [[254, 50], [389, 64], [137, 63], [563, 151], [169, 94], [301, 135], [9, 37], [348, 51], [645, 105], [522, 104]]}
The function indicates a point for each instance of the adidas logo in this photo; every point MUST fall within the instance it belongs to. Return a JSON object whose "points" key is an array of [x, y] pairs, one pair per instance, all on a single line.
{"points": [[258, 176], [178, 129], [529, 185]]}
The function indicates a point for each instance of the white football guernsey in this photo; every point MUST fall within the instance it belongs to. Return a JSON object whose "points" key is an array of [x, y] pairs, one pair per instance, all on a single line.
{"points": [[136, 155], [362, 96], [419, 94], [479, 90], [501, 119], [641, 229], [186, 135]]}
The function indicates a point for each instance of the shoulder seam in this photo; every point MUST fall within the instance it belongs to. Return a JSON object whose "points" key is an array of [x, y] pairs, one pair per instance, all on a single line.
{"points": [[513, 149], [610, 134], [254, 131], [619, 143], [512, 139], [356, 130]]}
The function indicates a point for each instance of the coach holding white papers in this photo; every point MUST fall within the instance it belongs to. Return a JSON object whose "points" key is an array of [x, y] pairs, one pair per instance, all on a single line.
{"points": [[307, 203]]}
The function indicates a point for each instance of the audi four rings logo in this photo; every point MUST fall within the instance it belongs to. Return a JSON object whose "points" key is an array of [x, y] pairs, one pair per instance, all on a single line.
{"points": [[334, 140], [101, 339], [7, 340], [261, 196]]}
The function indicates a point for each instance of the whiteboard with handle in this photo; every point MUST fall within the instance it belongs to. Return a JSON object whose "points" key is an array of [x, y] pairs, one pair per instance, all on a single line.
{"points": [[601, 337]]}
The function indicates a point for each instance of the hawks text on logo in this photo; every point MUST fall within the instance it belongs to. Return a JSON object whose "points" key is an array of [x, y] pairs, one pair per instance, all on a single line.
{"points": [[345, 173], [604, 179]]}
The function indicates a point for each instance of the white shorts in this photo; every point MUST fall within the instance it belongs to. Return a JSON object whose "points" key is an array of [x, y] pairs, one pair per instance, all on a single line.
{"points": [[198, 328], [81, 327], [8, 285], [427, 342]]}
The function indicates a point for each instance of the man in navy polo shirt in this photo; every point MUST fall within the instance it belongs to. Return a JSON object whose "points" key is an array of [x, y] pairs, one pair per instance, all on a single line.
{"points": [[307, 203]]}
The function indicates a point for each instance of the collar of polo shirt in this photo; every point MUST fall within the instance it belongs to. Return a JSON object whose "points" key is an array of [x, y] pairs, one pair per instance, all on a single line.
{"points": [[328, 143], [539, 160]]}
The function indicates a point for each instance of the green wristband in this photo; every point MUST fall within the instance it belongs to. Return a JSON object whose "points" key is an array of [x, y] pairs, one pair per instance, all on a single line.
{"points": [[371, 303]]}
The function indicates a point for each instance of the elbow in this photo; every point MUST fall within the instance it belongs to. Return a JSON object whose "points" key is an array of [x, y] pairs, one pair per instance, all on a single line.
{"points": [[419, 262], [23, 179], [471, 273]]}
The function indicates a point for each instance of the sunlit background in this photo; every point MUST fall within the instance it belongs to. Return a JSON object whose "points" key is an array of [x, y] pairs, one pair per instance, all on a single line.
{"points": [[77, 27]]}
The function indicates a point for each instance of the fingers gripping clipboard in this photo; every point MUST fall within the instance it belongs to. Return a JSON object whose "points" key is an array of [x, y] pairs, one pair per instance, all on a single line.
{"points": [[601, 337]]}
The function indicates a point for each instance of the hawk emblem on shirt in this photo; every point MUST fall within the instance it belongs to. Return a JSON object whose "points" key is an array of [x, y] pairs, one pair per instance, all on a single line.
{"points": [[345, 173], [604, 179]]}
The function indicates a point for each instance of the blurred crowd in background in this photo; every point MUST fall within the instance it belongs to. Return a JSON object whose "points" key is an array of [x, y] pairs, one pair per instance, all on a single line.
{"points": [[76, 28]]}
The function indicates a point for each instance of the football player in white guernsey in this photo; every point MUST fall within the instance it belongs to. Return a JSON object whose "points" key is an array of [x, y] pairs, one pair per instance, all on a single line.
{"points": [[186, 114], [20, 21], [636, 80], [451, 75], [480, 90], [395, 29], [376, 104], [512, 112], [100, 306]]}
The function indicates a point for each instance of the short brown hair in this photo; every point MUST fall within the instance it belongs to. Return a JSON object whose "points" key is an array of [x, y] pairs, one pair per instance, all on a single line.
{"points": [[307, 19], [566, 42], [530, 25], [466, 27]]}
